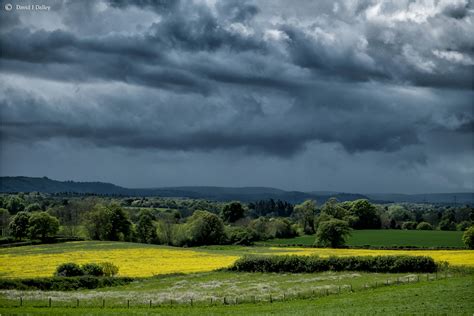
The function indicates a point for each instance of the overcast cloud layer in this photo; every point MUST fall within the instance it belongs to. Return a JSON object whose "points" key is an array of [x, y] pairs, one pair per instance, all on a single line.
{"points": [[361, 96]]}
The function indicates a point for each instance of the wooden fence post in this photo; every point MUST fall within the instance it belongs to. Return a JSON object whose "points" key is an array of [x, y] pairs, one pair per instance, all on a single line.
{"points": [[128, 303], [103, 303], [21, 301], [271, 300], [191, 301], [49, 302], [150, 303], [77, 303]]}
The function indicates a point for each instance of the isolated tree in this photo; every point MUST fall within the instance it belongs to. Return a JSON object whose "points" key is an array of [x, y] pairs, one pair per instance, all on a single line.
{"points": [[205, 228], [4, 221], [468, 237], [19, 225], [42, 225], [332, 233], [232, 212], [146, 228], [305, 213]]}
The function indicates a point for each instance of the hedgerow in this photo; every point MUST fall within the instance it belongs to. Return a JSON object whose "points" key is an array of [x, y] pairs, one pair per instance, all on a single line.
{"points": [[310, 264], [63, 283]]}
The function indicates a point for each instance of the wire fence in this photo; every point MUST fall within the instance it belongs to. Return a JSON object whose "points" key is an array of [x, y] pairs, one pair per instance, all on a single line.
{"points": [[226, 299]]}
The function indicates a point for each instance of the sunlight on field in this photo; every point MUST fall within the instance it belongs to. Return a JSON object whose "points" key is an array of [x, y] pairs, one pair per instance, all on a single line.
{"points": [[136, 262], [140, 260], [454, 257]]}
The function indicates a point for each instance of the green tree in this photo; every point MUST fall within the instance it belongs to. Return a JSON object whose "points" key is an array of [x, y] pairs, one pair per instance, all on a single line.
{"points": [[108, 223], [42, 225], [366, 215], [332, 233], [34, 207], [232, 212], [305, 213], [15, 205], [205, 228], [468, 237], [19, 225], [146, 228]]}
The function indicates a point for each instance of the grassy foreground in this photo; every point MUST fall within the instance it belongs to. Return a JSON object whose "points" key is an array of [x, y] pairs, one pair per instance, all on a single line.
{"points": [[388, 238], [141, 260], [452, 296]]}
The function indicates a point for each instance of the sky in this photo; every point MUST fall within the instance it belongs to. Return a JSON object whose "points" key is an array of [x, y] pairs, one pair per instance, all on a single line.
{"points": [[353, 96]]}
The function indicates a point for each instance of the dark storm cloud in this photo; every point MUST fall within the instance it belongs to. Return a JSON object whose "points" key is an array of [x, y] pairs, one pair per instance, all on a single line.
{"points": [[219, 78]]}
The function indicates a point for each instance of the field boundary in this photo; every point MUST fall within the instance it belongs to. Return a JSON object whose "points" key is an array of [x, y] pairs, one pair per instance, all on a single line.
{"points": [[263, 244], [74, 303]]}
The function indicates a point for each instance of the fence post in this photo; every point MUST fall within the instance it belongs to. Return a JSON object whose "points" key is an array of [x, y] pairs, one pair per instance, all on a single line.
{"points": [[191, 301], [21, 301], [339, 290], [271, 300], [284, 296], [128, 303], [77, 303], [171, 302], [211, 300], [351, 287], [327, 292], [150, 303], [253, 299], [225, 302], [103, 303], [49, 302]]}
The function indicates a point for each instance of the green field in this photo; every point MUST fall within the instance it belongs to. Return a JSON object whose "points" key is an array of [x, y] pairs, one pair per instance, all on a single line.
{"points": [[388, 238], [452, 296]]}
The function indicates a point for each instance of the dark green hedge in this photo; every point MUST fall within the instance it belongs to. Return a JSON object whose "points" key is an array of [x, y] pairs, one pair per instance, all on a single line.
{"points": [[309, 264], [63, 283]]}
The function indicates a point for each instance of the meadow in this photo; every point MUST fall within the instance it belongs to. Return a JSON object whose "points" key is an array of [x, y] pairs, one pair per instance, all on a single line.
{"points": [[143, 260], [190, 281], [387, 238]]}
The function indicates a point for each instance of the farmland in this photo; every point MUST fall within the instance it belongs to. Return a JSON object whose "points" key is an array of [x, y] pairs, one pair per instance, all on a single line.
{"points": [[141, 260], [446, 296], [387, 238]]}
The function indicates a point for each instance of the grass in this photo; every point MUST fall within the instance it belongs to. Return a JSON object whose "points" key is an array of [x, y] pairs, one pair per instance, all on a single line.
{"points": [[452, 296], [388, 238], [141, 260]]}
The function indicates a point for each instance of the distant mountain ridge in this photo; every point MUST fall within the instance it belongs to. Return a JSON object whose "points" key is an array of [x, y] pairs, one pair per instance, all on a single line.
{"points": [[245, 194]]}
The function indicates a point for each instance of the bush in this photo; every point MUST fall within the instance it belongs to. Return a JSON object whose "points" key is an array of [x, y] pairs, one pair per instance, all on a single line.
{"points": [[464, 225], [310, 264], [69, 269], [240, 236], [468, 237], [424, 226], [109, 269], [409, 225], [93, 269]]}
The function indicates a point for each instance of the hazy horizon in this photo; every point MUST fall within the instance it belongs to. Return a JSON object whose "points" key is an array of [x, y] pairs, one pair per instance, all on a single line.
{"points": [[347, 96]]}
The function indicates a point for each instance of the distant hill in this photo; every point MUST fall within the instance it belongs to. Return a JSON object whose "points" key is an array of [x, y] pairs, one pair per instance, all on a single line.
{"points": [[245, 194]]}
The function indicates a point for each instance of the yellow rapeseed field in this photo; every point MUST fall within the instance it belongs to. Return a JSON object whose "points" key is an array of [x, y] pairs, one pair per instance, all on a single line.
{"points": [[454, 257], [139, 260], [135, 262]]}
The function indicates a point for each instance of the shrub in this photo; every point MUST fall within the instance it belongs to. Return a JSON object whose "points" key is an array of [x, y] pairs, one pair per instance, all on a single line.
{"points": [[468, 237], [409, 225], [93, 269], [240, 236], [424, 226], [310, 264], [69, 269], [464, 225], [109, 269]]}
